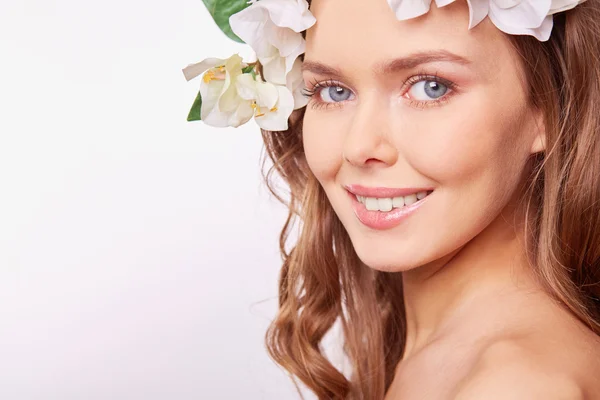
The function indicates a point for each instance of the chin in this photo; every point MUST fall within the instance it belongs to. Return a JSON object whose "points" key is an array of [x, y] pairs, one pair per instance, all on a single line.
{"points": [[384, 260]]}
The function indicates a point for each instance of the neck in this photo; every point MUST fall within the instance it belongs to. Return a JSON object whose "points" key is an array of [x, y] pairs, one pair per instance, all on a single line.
{"points": [[438, 294]]}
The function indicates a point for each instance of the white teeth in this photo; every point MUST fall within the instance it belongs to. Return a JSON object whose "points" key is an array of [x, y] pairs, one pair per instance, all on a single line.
{"points": [[398, 202], [410, 199], [372, 204], [387, 204]]}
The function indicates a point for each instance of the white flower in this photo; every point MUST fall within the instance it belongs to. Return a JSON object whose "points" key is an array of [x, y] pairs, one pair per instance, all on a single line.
{"points": [[273, 104], [231, 97], [221, 104], [273, 29], [407, 9], [295, 83], [515, 17], [563, 5], [521, 17]]}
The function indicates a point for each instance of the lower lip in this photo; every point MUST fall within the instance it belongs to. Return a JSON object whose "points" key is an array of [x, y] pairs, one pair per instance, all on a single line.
{"points": [[383, 220]]}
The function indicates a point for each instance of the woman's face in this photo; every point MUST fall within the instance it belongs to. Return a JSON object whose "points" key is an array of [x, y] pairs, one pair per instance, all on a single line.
{"points": [[450, 118]]}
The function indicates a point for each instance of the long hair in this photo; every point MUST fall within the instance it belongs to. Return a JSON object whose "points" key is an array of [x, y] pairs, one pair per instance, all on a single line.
{"points": [[322, 279]]}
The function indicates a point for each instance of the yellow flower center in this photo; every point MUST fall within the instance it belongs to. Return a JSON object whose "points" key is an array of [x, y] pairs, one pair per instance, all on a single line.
{"points": [[256, 108], [208, 76], [211, 76]]}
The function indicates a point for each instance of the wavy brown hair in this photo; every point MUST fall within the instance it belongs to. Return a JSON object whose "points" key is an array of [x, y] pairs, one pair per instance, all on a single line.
{"points": [[322, 279]]}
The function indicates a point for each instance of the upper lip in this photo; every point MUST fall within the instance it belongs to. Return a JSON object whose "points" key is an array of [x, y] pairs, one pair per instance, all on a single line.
{"points": [[383, 192]]}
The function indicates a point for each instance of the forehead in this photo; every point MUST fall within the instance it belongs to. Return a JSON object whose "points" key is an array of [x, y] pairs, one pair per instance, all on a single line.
{"points": [[366, 33]]}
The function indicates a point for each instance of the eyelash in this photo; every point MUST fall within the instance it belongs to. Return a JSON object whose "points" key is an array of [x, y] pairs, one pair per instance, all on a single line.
{"points": [[316, 86]]}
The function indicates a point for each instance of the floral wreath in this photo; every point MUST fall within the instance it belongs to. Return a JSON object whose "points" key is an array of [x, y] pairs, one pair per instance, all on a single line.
{"points": [[232, 92]]}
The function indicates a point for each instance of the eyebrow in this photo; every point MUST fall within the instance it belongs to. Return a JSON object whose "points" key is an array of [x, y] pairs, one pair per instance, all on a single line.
{"points": [[392, 66]]}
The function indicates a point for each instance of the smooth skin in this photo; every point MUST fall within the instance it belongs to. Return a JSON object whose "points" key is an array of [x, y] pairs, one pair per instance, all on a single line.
{"points": [[478, 326]]}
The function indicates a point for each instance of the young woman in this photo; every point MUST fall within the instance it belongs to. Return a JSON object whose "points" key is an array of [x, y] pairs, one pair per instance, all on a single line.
{"points": [[447, 182]]}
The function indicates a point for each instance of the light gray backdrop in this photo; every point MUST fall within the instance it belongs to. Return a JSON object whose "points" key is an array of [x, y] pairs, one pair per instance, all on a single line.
{"points": [[138, 252]]}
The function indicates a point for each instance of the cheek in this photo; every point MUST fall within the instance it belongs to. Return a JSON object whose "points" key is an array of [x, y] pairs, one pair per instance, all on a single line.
{"points": [[457, 147], [447, 145], [323, 140]]}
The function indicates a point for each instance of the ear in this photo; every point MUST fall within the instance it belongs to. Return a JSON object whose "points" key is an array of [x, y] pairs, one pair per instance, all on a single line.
{"points": [[539, 130]]}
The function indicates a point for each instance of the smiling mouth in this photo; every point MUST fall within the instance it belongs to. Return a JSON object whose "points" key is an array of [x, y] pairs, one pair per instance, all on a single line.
{"points": [[386, 204], [382, 213]]}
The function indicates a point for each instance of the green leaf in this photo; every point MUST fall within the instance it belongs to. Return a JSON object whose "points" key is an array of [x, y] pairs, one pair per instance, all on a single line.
{"points": [[194, 114], [249, 69], [221, 10]]}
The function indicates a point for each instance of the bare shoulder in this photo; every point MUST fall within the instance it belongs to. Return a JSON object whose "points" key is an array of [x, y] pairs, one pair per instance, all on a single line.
{"points": [[506, 370], [534, 367]]}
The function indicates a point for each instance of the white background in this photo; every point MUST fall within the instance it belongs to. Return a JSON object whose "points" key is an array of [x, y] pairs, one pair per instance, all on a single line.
{"points": [[138, 251]]}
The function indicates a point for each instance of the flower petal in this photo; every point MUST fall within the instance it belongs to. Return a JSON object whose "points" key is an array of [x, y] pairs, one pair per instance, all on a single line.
{"points": [[507, 3], [249, 25], [295, 83], [272, 23], [406, 9], [194, 70], [274, 69], [442, 3], [246, 86], [283, 39], [229, 97], [220, 99], [209, 112], [541, 33], [278, 120], [210, 93], [293, 14], [478, 10], [242, 114], [266, 94], [527, 14], [563, 5]]}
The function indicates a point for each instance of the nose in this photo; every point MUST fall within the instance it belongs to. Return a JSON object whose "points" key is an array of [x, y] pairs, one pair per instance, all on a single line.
{"points": [[368, 141]]}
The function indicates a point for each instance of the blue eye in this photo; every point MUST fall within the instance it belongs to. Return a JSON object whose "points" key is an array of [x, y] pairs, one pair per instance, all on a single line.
{"points": [[424, 91], [327, 94], [334, 94], [427, 90]]}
